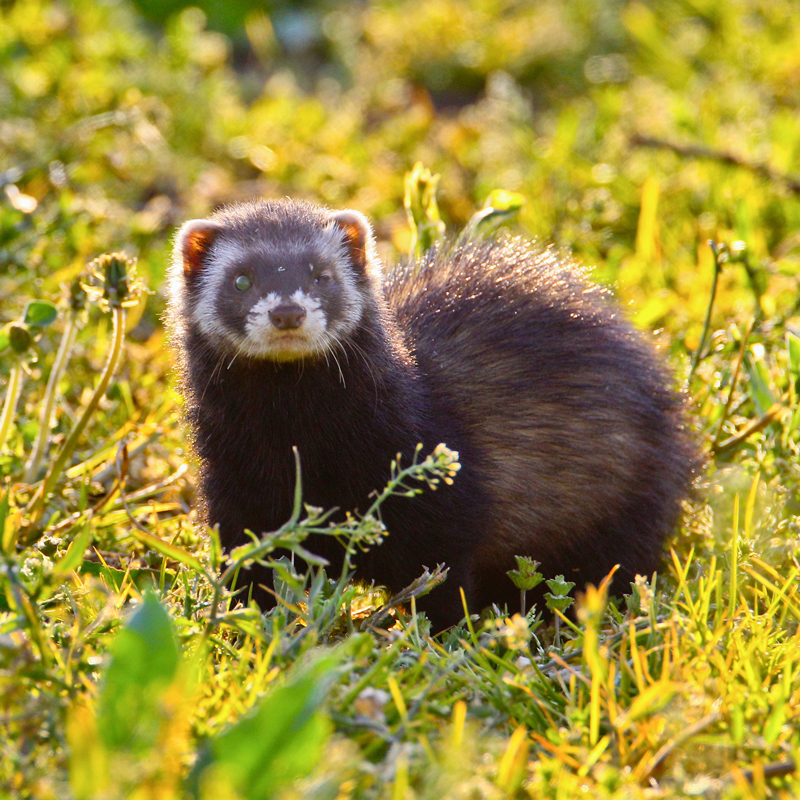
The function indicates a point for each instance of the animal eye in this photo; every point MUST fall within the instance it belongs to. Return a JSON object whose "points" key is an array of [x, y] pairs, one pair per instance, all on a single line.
{"points": [[323, 277], [243, 283]]}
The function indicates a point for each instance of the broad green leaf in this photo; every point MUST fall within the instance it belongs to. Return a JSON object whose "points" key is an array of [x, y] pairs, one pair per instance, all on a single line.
{"points": [[144, 661], [282, 740], [40, 314]]}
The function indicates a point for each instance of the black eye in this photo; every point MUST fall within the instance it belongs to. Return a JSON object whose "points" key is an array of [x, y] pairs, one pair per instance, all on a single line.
{"points": [[243, 283], [323, 277]]}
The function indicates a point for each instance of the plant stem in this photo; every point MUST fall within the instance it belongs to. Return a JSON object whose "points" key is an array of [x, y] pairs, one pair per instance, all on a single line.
{"points": [[734, 378], [754, 427], [700, 347], [118, 337], [10, 406], [46, 416]]}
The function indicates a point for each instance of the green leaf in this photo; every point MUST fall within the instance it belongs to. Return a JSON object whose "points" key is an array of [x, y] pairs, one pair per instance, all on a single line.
{"points": [[793, 422], [3, 517], [558, 586], [527, 576], [40, 314], [793, 347], [738, 723], [498, 209], [283, 740], [422, 209], [777, 717], [287, 583], [558, 599], [504, 202], [172, 551], [114, 578], [650, 701], [19, 336], [74, 556], [5, 341], [144, 662], [793, 350], [759, 380]]}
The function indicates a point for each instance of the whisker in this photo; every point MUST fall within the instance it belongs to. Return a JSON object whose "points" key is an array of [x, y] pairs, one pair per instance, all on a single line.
{"points": [[339, 367], [217, 369], [237, 354], [348, 345]]}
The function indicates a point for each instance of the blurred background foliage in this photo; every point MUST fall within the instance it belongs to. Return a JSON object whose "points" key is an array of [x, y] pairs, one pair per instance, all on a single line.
{"points": [[128, 120]]}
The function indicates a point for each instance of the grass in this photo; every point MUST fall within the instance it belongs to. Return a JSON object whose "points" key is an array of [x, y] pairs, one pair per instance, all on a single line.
{"points": [[635, 134]]}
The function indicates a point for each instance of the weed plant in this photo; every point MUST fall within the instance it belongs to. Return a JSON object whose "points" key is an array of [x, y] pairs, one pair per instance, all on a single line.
{"points": [[657, 142]]}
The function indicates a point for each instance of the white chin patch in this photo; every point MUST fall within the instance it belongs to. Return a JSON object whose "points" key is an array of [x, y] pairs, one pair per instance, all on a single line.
{"points": [[264, 340]]}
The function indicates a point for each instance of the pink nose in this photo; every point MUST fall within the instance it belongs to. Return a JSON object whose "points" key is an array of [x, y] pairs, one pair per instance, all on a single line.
{"points": [[287, 317]]}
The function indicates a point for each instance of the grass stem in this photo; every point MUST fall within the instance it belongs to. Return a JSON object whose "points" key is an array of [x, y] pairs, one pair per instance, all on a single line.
{"points": [[46, 415], [734, 377], [36, 506], [10, 405], [698, 355]]}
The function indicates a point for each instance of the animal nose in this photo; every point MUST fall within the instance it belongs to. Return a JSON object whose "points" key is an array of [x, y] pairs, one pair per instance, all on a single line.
{"points": [[287, 317]]}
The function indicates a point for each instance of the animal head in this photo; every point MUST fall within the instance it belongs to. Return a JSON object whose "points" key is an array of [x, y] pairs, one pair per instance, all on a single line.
{"points": [[278, 280]]}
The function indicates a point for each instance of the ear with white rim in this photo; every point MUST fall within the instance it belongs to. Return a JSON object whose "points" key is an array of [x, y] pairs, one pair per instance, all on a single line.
{"points": [[192, 244], [357, 236]]}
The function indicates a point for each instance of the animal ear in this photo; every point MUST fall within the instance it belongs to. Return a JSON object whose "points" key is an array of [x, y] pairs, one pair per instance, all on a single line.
{"points": [[193, 242], [357, 234]]}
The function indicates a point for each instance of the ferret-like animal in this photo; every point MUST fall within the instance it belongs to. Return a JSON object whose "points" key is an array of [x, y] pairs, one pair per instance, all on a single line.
{"points": [[572, 443]]}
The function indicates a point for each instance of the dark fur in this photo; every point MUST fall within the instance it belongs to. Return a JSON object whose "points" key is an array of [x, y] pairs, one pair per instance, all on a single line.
{"points": [[572, 444]]}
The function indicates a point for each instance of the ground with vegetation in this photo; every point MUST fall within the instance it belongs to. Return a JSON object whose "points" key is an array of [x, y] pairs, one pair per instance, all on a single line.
{"points": [[659, 143]]}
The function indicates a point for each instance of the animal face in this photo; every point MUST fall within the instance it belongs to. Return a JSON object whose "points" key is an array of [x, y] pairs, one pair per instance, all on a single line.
{"points": [[275, 289]]}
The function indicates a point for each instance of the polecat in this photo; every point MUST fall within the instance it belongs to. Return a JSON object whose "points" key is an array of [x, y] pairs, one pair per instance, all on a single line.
{"points": [[572, 444]]}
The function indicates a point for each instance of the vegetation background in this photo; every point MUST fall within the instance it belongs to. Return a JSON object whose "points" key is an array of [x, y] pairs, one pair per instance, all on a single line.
{"points": [[636, 132]]}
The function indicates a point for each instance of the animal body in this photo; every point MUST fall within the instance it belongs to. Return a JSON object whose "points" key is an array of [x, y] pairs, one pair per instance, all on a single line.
{"points": [[571, 441]]}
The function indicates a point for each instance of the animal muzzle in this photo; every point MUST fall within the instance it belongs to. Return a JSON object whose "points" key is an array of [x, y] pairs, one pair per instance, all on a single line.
{"points": [[287, 317]]}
